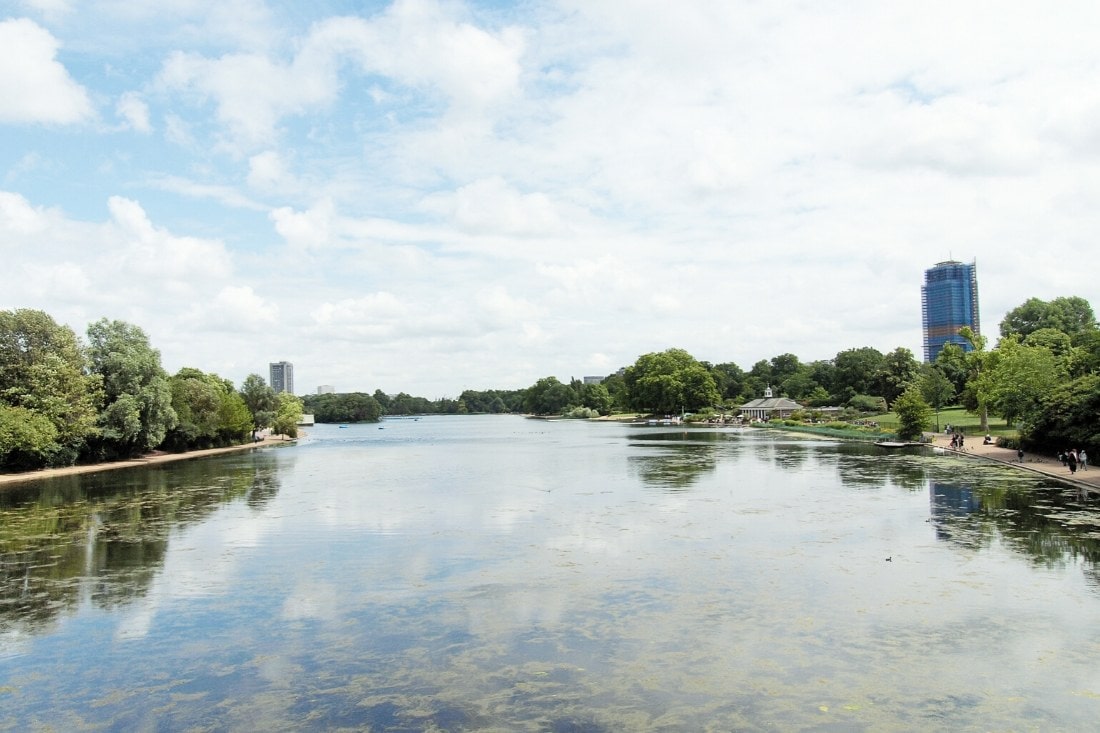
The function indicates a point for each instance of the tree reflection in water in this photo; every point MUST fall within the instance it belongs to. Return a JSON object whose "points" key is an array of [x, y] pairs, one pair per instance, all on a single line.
{"points": [[104, 536], [1049, 524]]}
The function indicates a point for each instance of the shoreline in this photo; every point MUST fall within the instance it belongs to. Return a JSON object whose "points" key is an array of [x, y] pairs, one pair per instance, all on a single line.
{"points": [[149, 459], [1087, 478]]}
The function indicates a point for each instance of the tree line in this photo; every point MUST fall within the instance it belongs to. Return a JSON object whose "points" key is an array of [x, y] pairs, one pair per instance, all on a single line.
{"points": [[1042, 376], [64, 400]]}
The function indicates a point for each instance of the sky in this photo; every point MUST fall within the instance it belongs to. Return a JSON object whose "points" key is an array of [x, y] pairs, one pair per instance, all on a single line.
{"points": [[428, 196]]}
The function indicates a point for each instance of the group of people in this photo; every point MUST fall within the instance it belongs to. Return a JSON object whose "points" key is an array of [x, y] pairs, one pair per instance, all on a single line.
{"points": [[1073, 458], [957, 441]]}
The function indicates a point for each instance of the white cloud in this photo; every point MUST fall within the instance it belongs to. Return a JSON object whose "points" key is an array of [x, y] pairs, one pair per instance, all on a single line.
{"points": [[18, 216], [150, 251], [266, 172], [414, 42], [419, 43], [234, 309], [491, 206], [36, 87], [306, 229], [378, 315], [134, 112]]}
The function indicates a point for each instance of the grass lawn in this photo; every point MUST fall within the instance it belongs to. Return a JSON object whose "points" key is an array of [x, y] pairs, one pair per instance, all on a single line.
{"points": [[956, 417]]}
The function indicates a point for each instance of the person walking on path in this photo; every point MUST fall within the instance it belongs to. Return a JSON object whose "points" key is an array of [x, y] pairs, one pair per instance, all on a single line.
{"points": [[1071, 461], [1083, 459], [1020, 455]]}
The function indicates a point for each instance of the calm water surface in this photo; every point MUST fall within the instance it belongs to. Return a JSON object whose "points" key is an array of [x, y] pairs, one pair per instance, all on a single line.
{"points": [[497, 573]]}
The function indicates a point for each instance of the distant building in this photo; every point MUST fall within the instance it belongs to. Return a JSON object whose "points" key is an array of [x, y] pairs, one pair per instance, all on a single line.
{"points": [[949, 301], [593, 380], [769, 407], [326, 389], [282, 376]]}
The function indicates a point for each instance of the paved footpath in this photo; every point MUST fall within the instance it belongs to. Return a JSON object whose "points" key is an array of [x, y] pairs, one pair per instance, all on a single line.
{"points": [[1088, 478]]}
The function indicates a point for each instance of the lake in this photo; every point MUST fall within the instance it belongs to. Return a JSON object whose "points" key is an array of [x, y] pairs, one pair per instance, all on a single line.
{"points": [[496, 573]]}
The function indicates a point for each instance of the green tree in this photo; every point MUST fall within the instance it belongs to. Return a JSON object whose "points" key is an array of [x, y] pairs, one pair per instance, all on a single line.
{"points": [[899, 369], [27, 439], [42, 370], [548, 396], [1070, 315], [730, 381], [936, 389], [670, 381], [913, 414], [596, 397], [1016, 377], [856, 372], [288, 413], [1066, 417], [783, 367], [615, 384], [136, 413], [343, 407], [976, 359], [819, 397], [1057, 341], [210, 412], [260, 400], [952, 362]]}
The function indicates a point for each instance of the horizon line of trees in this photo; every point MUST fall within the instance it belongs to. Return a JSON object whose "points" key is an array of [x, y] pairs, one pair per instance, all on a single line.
{"points": [[1043, 377], [63, 400]]}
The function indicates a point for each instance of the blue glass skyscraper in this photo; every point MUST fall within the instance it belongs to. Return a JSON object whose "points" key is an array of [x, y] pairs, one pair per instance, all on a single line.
{"points": [[949, 301]]}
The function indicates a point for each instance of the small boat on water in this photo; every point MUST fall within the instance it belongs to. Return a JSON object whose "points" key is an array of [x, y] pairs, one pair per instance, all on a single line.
{"points": [[891, 444]]}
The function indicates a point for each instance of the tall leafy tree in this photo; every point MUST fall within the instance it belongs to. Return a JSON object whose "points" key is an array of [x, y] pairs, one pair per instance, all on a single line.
{"points": [[42, 371], [855, 372], [952, 362], [1066, 417], [596, 397], [783, 367], [670, 381], [260, 400], [616, 387], [899, 369], [936, 389], [210, 412], [288, 413], [976, 360], [730, 381], [913, 414], [1016, 377], [548, 396], [136, 413], [1070, 315]]}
